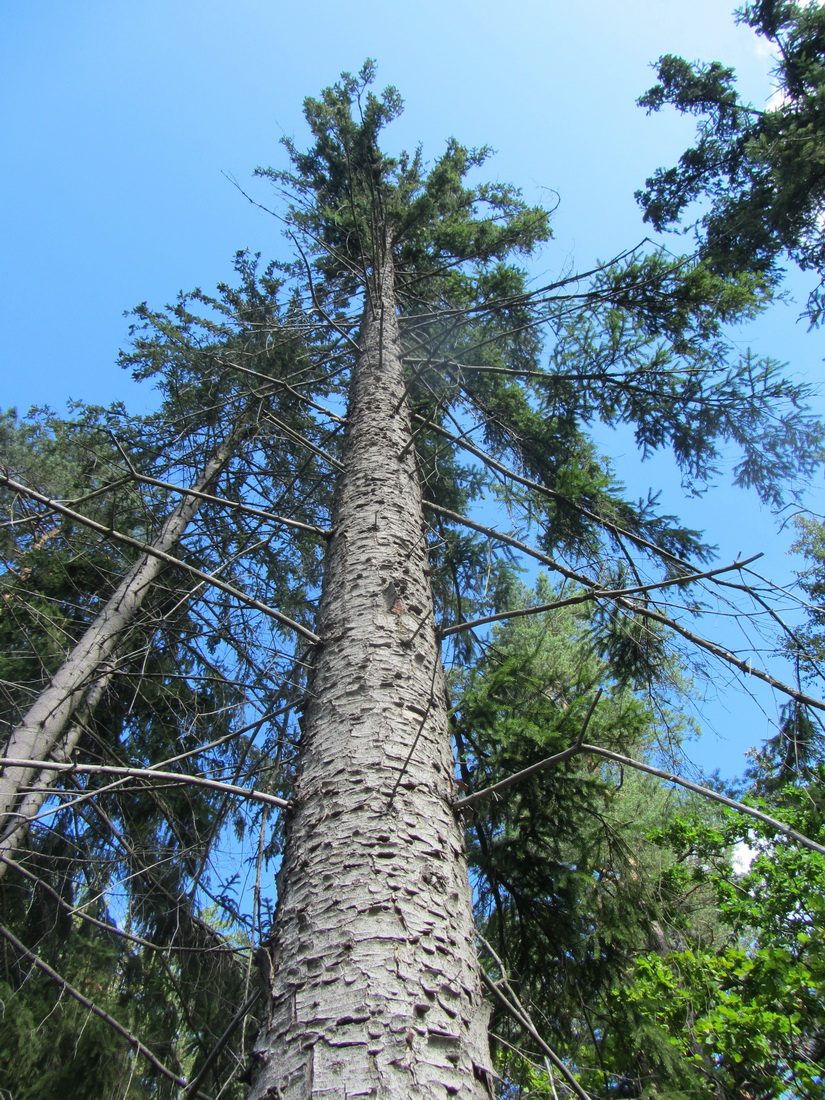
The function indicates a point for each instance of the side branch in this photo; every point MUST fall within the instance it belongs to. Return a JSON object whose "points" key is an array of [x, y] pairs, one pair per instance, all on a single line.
{"points": [[210, 498], [149, 773], [597, 594], [634, 609], [669, 777]]}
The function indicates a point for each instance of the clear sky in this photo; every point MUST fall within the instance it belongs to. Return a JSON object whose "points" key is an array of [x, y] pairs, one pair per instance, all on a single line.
{"points": [[123, 121]]}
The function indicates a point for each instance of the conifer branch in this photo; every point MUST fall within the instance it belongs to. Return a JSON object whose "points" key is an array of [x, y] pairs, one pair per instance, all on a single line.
{"points": [[67, 987], [149, 773], [234, 365], [596, 594], [145, 548], [235, 505], [301, 440], [669, 777], [551, 494], [109, 929], [558, 758], [635, 609]]}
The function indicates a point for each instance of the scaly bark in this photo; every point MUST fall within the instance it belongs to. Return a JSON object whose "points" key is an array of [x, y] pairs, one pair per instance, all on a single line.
{"points": [[375, 988]]}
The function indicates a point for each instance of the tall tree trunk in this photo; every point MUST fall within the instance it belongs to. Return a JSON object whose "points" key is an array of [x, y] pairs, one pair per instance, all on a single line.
{"points": [[79, 682], [375, 988]]}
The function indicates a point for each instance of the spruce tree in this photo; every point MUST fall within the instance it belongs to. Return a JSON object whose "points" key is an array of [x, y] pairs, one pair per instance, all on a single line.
{"points": [[304, 673]]}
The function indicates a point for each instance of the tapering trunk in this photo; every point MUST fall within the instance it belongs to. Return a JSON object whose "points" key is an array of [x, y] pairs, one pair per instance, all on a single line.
{"points": [[375, 988], [47, 731]]}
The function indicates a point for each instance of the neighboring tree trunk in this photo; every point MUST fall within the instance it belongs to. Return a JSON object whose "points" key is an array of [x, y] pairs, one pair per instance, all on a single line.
{"points": [[78, 684], [375, 988], [15, 826]]}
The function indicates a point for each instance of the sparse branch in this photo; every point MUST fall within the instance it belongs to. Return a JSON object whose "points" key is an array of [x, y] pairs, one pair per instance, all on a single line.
{"points": [[233, 735], [323, 313], [635, 609], [235, 505], [301, 440], [234, 365], [597, 594], [149, 773]]}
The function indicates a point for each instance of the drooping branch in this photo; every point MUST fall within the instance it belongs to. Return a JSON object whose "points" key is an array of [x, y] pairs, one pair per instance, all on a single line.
{"points": [[109, 929], [551, 494], [669, 777]]}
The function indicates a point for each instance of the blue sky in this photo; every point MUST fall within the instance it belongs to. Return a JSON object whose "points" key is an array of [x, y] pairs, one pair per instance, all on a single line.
{"points": [[121, 121]]}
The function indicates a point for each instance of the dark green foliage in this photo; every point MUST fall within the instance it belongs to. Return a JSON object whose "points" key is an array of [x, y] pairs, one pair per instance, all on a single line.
{"points": [[565, 894], [762, 171], [57, 574], [656, 962]]}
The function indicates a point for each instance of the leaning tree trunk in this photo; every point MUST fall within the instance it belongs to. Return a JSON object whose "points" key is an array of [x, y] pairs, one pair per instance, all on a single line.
{"points": [[74, 690], [375, 988]]}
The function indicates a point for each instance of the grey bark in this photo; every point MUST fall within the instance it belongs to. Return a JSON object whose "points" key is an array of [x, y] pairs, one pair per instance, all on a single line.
{"points": [[76, 687], [375, 986]]}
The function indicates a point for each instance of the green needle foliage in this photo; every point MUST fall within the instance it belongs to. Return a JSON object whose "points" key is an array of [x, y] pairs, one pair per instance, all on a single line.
{"points": [[760, 171]]}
